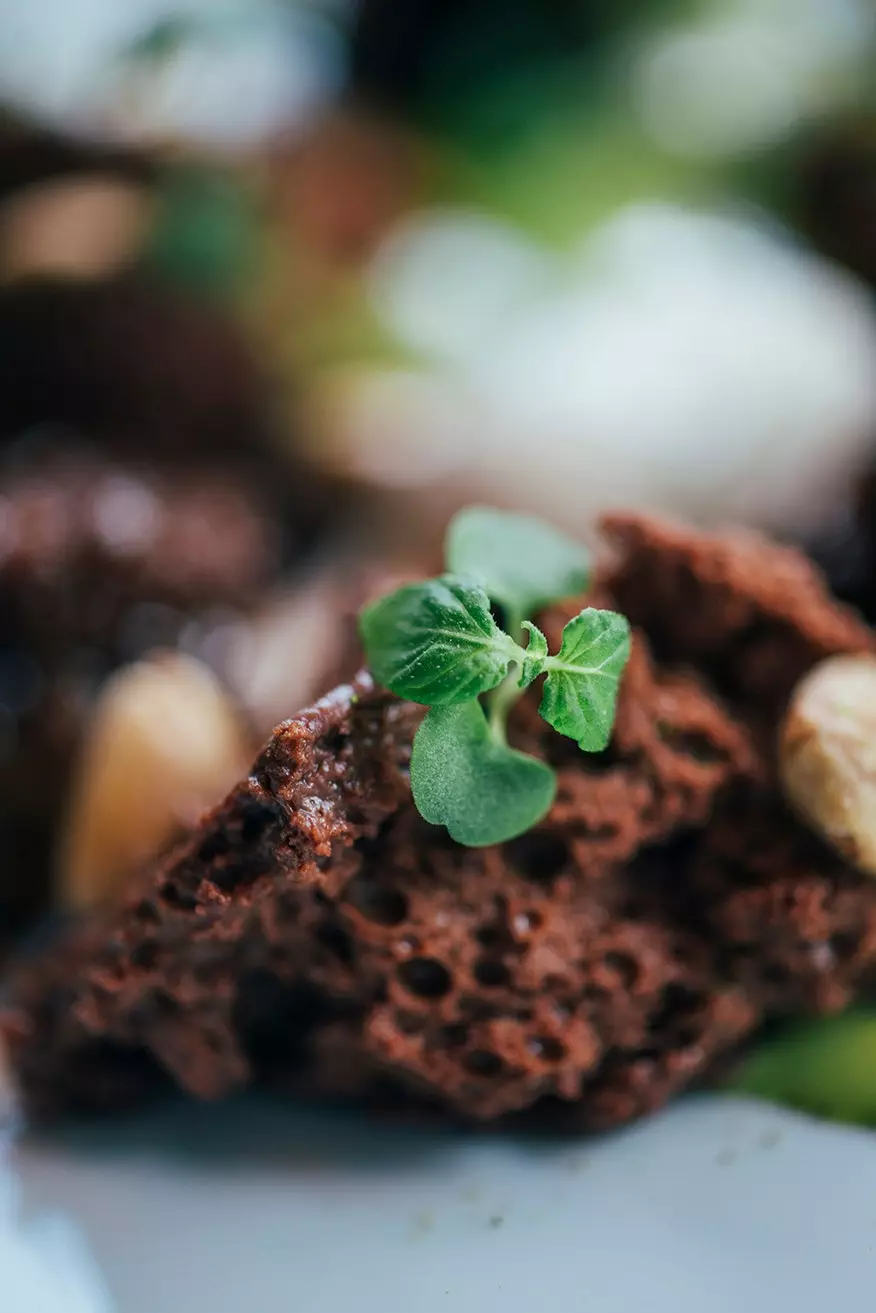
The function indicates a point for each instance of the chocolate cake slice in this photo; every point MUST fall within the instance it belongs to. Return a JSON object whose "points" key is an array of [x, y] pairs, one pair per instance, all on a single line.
{"points": [[143, 497], [316, 932], [101, 561]]}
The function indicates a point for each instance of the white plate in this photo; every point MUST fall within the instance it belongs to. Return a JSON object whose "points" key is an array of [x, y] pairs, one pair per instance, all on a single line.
{"points": [[717, 1206]]}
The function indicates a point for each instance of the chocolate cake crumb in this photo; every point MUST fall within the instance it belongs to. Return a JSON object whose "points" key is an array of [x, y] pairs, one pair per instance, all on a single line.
{"points": [[84, 540], [796, 926], [143, 503], [314, 931], [316, 902], [142, 368], [100, 562], [752, 615]]}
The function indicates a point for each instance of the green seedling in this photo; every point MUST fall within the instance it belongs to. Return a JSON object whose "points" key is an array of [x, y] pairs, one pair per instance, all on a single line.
{"points": [[438, 643]]}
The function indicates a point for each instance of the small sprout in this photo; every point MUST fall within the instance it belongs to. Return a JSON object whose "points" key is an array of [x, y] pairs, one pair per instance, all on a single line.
{"points": [[523, 563], [464, 778], [535, 657], [437, 643], [579, 692]]}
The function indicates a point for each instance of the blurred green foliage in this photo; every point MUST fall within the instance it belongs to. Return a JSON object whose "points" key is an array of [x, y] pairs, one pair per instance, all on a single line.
{"points": [[826, 1067], [206, 231]]}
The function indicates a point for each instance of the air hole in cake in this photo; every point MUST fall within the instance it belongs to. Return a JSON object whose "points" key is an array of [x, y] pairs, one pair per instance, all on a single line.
{"points": [[378, 903], [454, 1035], [537, 855], [426, 977], [215, 845], [593, 763], [606, 831], [679, 999], [181, 899], [491, 972], [648, 1055], [276, 1019], [655, 876], [776, 974], [691, 743], [236, 874], [145, 954], [495, 936], [148, 912], [257, 817], [481, 1062], [163, 1005], [334, 741], [206, 969], [546, 1048], [845, 945], [256, 820], [408, 1023], [677, 1005], [624, 966], [476, 1007], [336, 940]]}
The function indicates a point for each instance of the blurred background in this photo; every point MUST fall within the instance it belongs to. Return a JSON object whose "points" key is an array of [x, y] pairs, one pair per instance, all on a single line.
{"points": [[285, 282]]}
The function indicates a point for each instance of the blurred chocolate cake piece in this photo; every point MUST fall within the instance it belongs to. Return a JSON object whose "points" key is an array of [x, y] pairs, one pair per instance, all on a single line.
{"points": [[31, 154], [752, 614], [142, 498], [71, 206], [315, 909], [87, 543], [144, 370], [848, 554], [834, 194], [100, 563], [832, 199], [315, 931]]}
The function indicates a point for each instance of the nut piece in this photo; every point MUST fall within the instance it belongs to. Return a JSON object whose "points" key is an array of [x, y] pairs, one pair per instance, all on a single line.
{"points": [[827, 755], [163, 745], [82, 227]]}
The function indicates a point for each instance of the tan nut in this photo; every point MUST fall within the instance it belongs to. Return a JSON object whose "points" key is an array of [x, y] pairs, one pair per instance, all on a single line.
{"points": [[164, 744], [75, 227], [827, 755]]}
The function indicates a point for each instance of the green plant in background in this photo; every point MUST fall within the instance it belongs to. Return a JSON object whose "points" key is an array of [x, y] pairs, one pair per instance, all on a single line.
{"points": [[205, 235], [438, 643], [826, 1067]]}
